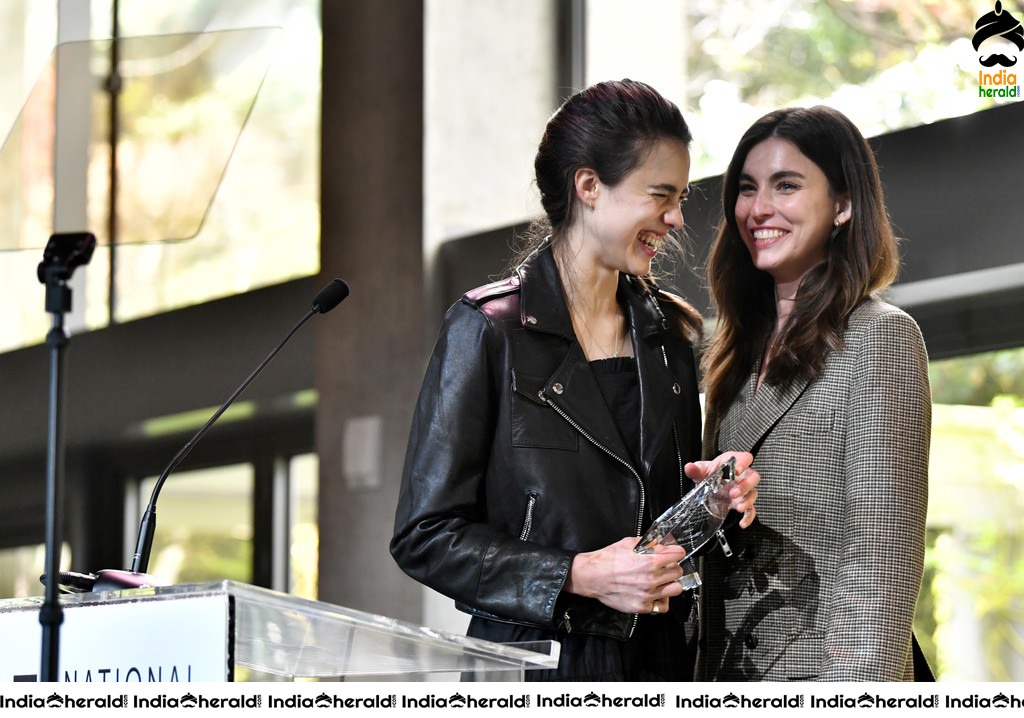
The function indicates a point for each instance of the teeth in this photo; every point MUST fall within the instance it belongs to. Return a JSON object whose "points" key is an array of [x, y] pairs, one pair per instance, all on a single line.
{"points": [[652, 241], [763, 234]]}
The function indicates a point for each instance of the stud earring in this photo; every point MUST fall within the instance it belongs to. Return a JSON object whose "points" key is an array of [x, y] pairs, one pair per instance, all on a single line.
{"points": [[837, 227]]}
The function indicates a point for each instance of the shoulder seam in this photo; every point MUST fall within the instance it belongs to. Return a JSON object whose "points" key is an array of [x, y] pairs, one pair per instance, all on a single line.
{"points": [[483, 294]]}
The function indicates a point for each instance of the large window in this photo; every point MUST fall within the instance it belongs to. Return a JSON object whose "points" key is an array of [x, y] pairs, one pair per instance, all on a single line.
{"points": [[21, 568], [969, 616], [887, 64], [206, 524], [217, 171], [204, 527], [303, 526]]}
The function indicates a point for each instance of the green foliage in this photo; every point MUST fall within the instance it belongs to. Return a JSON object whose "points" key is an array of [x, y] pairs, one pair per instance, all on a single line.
{"points": [[215, 557], [210, 556], [783, 50], [977, 380], [816, 59], [973, 589]]}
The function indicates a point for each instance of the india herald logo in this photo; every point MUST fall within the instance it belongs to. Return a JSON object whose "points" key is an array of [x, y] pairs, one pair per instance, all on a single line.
{"points": [[1002, 25], [998, 37]]}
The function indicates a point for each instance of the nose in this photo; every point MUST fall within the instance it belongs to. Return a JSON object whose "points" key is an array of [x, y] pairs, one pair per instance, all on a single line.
{"points": [[674, 217], [760, 205]]}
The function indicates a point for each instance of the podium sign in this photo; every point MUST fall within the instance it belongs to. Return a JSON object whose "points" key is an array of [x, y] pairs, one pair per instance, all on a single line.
{"points": [[225, 631], [125, 641]]}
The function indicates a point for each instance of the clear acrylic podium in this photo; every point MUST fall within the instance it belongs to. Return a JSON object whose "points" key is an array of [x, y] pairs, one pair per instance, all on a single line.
{"points": [[226, 630]]}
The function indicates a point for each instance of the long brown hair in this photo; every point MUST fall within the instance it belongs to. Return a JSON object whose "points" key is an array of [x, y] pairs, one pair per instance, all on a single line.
{"points": [[861, 259]]}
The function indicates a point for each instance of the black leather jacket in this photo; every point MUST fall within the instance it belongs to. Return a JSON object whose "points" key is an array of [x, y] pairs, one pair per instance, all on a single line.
{"points": [[515, 463]]}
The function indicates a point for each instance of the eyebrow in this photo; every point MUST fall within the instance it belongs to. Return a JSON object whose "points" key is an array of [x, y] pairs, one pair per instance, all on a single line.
{"points": [[781, 174], [670, 188]]}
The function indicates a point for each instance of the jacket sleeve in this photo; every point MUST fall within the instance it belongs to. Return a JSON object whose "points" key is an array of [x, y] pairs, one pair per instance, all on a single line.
{"points": [[442, 537], [880, 569]]}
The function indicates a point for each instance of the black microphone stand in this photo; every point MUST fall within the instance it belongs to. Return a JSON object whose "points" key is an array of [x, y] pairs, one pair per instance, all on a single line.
{"points": [[144, 545], [113, 579], [63, 253]]}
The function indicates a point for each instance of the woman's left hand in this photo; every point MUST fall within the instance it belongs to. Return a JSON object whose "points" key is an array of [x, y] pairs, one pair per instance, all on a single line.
{"points": [[742, 491]]}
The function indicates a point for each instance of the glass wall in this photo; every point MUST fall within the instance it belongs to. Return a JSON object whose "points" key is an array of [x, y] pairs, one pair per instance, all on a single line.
{"points": [[304, 529], [217, 112], [28, 33], [204, 525], [21, 568], [969, 616], [887, 64]]}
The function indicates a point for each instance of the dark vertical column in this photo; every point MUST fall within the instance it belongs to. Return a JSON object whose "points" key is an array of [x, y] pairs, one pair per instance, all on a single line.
{"points": [[370, 352], [94, 520]]}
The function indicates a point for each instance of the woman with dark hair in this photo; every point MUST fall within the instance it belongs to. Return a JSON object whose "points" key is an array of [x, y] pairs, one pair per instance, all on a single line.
{"points": [[828, 387], [559, 412]]}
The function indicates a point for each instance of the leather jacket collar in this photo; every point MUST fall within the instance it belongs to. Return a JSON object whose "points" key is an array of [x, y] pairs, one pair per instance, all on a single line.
{"points": [[543, 306]]}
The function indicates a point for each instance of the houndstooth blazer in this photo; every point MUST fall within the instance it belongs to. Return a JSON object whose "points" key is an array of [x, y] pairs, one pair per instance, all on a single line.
{"points": [[824, 584]]}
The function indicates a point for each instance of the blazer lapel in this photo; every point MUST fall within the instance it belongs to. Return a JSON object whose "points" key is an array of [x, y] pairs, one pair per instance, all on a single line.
{"points": [[756, 412]]}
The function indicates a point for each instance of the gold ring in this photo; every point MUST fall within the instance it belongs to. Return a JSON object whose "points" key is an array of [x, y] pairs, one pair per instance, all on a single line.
{"points": [[655, 608]]}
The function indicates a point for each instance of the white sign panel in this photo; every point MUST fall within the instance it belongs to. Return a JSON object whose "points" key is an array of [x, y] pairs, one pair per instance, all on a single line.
{"points": [[180, 640]]}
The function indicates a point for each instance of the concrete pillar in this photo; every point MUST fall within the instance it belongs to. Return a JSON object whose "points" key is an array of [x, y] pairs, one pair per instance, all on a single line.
{"points": [[371, 353]]}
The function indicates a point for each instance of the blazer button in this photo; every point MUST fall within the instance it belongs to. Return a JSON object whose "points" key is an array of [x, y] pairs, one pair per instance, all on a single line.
{"points": [[557, 388], [676, 389], [750, 641]]}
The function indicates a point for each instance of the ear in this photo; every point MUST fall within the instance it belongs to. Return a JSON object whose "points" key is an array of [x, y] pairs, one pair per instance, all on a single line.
{"points": [[586, 183], [844, 210]]}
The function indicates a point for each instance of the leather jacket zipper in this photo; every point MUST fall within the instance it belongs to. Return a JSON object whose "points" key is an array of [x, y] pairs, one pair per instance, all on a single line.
{"points": [[531, 502], [643, 494], [616, 457], [679, 462]]}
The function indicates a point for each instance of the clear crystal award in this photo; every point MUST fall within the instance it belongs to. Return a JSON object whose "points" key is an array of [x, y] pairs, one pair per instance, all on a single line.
{"points": [[693, 520]]}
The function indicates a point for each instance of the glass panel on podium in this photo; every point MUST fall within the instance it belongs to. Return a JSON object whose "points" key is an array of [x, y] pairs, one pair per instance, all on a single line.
{"points": [[225, 630]]}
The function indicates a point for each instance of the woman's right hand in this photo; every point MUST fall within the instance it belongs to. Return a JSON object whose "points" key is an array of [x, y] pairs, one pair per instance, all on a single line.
{"points": [[626, 581]]}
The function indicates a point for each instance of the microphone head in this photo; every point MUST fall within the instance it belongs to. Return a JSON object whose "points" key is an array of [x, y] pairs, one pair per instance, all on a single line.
{"points": [[330, 296]]}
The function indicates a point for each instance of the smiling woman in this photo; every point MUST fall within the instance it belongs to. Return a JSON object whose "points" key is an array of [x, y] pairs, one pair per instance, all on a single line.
{"points": [[785, 212], [828, 387], [572, 388]]}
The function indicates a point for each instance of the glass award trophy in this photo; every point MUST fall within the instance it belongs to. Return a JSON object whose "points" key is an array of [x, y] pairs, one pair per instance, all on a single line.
{"points": [[693, 520]]}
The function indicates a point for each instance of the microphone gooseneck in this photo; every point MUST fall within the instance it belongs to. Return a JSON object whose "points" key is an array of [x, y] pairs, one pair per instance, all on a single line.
{"points": [[327, 299]]}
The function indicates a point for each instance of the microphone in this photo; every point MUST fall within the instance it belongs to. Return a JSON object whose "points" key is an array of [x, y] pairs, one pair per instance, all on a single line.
{"points": [[330, 296], [113, 579]]}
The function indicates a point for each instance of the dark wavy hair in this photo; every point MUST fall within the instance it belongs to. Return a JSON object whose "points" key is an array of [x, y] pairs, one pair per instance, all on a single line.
{"points": [[861, 259], [610, 127]]}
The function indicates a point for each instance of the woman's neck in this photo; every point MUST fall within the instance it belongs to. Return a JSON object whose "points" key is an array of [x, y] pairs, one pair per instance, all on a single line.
{"points": [[590, 288], [785, 303], [591, 295]]}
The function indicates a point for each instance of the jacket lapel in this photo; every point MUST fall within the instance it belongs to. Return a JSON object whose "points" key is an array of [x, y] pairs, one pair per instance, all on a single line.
{"points": [[660, 390], [756, 412], [573, 388]]}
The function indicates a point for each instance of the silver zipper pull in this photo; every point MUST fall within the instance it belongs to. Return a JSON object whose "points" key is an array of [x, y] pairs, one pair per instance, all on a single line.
{"points": [[723, 542]]}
